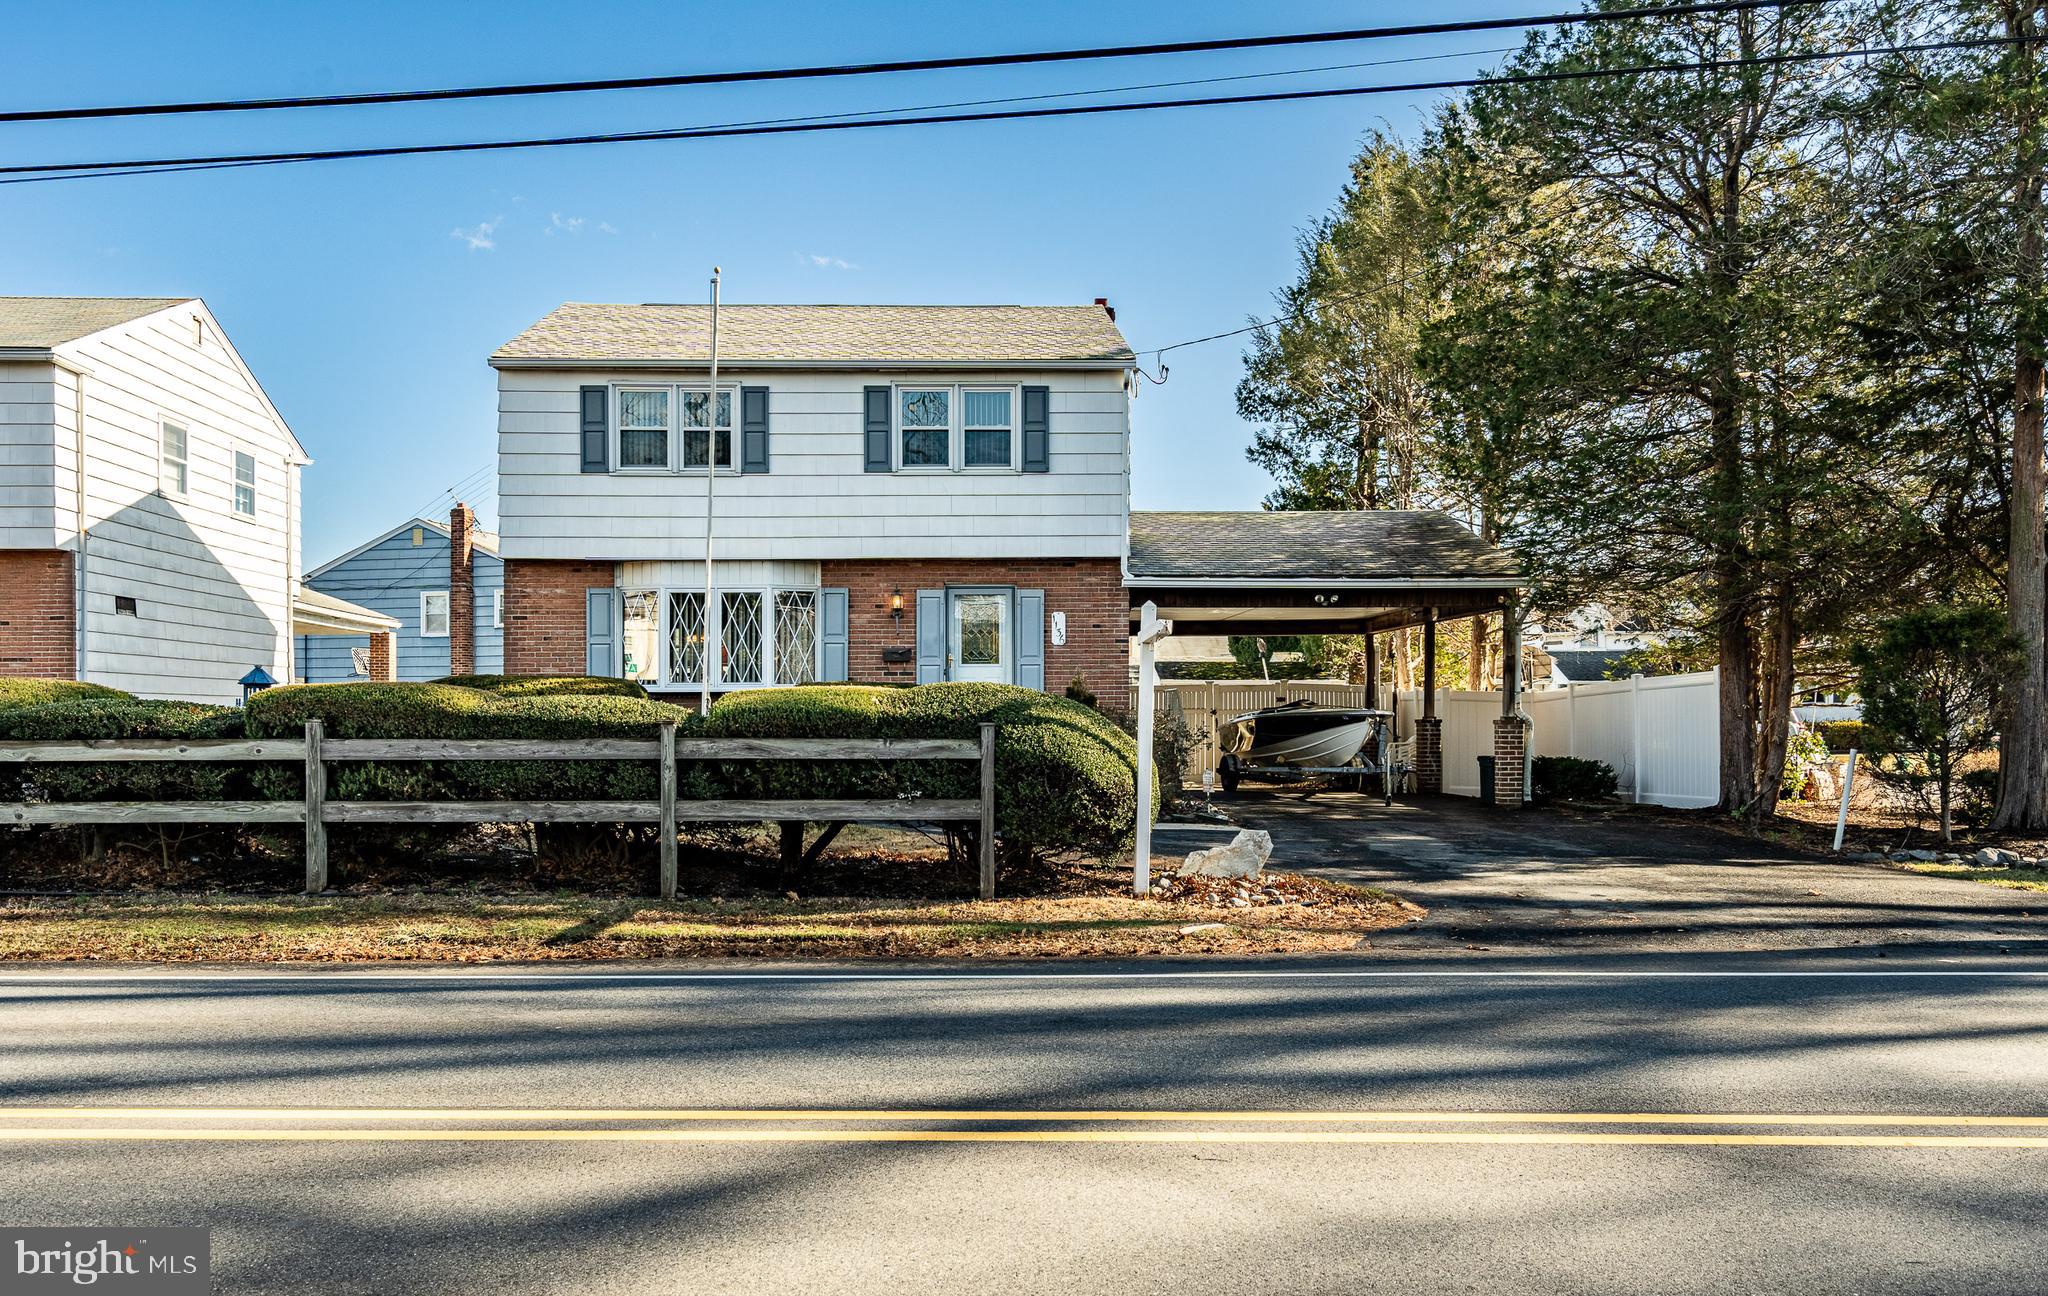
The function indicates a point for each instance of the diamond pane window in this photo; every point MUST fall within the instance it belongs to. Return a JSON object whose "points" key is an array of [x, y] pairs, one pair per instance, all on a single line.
{"points": [[981, 629], [927, 427], [643, 429], [739, 639], [697, 436], [796, 637], [685, 638]]}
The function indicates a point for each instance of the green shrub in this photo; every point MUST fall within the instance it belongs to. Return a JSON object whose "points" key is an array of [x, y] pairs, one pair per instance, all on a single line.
{"points": [[1804, 749], [121, 716], [547, 685], [1572, 778], [17, 692], [1841, 735]]}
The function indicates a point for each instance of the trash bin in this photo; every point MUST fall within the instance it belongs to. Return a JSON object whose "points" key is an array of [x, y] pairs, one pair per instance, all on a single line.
{"points": [[1486, 780]]}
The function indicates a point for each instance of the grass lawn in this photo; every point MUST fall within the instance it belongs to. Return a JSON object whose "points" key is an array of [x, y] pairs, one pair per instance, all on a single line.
{"points": [[2015, 879], [1311, 915]]}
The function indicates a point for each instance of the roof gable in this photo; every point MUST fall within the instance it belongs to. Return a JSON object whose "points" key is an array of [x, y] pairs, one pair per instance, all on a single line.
{"points": [[484, 541], [762, 335]]}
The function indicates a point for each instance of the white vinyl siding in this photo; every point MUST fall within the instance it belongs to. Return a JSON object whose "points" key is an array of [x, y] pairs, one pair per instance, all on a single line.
{"points": [[212, 589], [433, 614], [817, 502]]}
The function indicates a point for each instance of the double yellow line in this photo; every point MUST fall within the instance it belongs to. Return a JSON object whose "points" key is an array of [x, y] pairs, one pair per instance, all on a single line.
{"points": [[859, 1125]]}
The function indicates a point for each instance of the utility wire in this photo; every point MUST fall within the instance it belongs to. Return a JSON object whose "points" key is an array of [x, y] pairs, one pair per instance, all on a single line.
{"points": [[76, 170], [894, 66]]}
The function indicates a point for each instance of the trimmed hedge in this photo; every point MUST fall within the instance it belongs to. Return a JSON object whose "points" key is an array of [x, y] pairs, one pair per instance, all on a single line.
{"points": [[1841, 735], [41, 692], [1064, 778], [547, 685]]}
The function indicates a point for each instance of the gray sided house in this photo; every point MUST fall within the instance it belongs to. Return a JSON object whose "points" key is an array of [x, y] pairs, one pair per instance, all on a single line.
{"points": [[435, 579]]}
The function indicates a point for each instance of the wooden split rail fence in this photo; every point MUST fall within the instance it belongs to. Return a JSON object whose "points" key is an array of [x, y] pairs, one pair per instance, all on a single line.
{"points": [[315, 811]]}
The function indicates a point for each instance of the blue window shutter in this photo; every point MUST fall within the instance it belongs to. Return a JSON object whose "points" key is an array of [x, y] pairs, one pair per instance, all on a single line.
{"points": [[874, 406], [597, 430], [600, 632], [1031, 639], [1037, 436], [931, 635], [753, 429], [832, 660]]}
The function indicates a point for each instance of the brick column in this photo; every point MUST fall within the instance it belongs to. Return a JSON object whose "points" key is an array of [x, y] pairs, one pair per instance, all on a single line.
{"points": [[1510, 744], [384, 656], [38, 616], [461, 590], [1429, 754]]}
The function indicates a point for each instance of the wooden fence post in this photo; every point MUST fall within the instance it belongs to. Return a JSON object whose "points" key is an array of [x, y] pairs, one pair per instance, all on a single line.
{"points": [[668, 811], [988, 812], [316, 812]]}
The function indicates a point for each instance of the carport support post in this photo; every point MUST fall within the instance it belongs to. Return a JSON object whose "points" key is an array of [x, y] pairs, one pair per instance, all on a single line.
{"points": [[1511, 729], [1429, 729]]}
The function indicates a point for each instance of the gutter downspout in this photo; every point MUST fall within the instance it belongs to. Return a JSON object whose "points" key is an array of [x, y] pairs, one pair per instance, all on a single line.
{"points": [[78, 561]]}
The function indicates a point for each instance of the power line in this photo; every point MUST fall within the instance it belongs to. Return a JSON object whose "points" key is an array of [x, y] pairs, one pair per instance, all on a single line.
{"points": [[893, 66], [77, 170]]}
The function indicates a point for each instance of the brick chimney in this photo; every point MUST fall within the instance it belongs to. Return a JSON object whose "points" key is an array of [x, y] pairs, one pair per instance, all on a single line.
{"points": [[461, 590]]}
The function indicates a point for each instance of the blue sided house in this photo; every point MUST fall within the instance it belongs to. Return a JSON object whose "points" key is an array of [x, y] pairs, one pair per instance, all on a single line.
{"points": [[445, 584]]}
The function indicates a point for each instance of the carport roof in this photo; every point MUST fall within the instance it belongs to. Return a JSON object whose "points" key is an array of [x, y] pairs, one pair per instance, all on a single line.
{"points": [[1408, 546]]}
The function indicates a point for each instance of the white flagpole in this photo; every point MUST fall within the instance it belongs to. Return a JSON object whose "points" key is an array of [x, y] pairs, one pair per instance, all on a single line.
{"points": [[710, 476]]}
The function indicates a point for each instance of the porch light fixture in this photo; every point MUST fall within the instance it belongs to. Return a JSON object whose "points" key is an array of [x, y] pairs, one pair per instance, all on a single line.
{"points": [[896, 608]]}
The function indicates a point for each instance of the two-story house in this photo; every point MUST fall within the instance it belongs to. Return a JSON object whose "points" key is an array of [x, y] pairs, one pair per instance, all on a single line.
{"points": [[891, 494], [149, 503]]}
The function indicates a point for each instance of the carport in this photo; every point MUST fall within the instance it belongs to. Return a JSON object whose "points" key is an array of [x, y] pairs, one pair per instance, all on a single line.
{"points": [[1319, 573]]}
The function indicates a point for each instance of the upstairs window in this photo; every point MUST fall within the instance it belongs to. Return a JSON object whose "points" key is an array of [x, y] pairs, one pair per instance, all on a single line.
{"points": [[176, 475], [643, 427], [925, 422], [985, 423], [245, 484], [697, 428], [433, 614]]}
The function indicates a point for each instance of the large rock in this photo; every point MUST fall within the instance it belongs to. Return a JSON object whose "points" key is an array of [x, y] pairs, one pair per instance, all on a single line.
{"points": [[1244, 856], [1993, 857]]}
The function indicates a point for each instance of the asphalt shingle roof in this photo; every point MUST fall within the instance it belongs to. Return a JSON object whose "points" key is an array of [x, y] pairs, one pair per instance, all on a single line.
{"points": [[751, 334], [1376, 544], [48, 321]]}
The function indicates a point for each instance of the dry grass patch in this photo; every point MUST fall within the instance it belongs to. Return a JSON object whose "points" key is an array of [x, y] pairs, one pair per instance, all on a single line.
{"points": [[2014, 879], [1317, 916]]}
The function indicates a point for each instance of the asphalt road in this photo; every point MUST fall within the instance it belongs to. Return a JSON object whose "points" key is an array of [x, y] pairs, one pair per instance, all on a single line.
{"points": [[837, 1183]]}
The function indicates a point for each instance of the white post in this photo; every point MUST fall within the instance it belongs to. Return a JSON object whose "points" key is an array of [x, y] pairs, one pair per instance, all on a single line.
{"points": [[1150, 630], [1842, 815], [1635, 734], [710, 476]]}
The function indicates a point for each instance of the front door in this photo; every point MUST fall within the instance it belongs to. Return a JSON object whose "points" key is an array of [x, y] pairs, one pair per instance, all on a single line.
{"points": [[979, 640]]}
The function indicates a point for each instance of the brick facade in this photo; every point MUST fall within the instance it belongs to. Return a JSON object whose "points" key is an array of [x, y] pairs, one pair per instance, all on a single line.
{"points": [[1089, 590], [1510, 746], [37, 614], [462, 590], [1429, 754], [544, 610]]}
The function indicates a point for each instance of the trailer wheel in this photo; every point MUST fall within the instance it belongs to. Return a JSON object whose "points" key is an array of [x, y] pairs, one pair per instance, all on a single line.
{"points": [[1226, 770]]}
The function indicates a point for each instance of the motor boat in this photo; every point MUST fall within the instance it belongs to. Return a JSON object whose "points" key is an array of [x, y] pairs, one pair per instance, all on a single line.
{"points": [[1297, 737]]}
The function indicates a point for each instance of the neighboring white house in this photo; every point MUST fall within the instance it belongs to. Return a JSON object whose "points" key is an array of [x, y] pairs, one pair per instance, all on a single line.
{"points": [[149, 502], [902, 493]]}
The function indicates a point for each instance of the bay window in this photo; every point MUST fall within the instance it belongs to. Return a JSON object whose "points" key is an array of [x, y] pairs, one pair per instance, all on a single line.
{"points": [[749, 639]]}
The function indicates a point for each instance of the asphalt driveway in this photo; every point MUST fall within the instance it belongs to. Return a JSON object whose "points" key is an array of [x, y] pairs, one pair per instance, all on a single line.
{"points": [[1625, 880]]}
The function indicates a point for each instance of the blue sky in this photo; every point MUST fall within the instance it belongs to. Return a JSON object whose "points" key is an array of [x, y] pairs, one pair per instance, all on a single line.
{"points": [[367, 294]]}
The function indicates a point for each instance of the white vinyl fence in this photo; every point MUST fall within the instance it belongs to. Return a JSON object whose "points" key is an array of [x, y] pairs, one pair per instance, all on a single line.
{"points": [[1660, 735]]}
